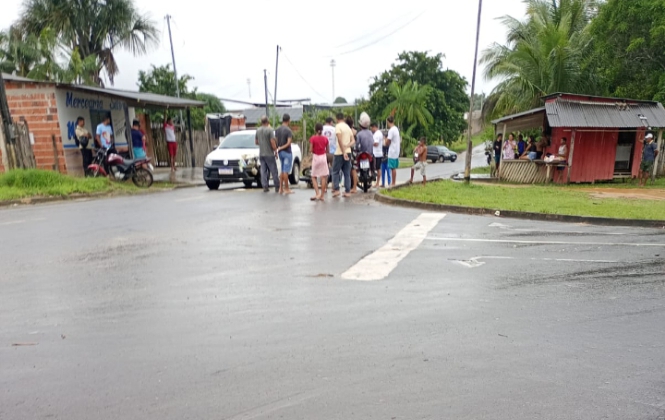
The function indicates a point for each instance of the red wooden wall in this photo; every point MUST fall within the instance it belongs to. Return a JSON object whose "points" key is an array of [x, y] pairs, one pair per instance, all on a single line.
{"points": [[637, 153], [594, 156]]}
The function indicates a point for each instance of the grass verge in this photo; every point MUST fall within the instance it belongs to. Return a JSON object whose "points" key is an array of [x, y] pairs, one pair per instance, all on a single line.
{"points": [[460, 145], [22, 183], [483, 170], [536, 199]]}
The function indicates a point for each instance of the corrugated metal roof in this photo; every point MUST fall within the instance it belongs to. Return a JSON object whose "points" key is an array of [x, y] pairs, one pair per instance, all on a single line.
{"points": [[570, 113], [138, 99], [521, 114], [253, 115]]}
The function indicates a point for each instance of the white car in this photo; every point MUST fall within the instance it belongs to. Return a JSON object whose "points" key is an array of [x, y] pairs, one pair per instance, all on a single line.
{"points": [[237, 160]]}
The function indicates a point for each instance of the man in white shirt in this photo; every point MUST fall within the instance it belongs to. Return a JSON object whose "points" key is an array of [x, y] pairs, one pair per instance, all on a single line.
{"points": [[393, 142], [378, 151]]}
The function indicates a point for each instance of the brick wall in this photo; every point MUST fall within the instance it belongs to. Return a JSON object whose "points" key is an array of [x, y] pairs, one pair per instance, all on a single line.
{"points": [[35, 104]]}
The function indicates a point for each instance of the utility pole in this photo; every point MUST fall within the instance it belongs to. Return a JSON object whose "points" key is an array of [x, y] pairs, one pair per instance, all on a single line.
{"points": [[249, 87], [274, 99], [265, 83], [175, 71], [469, 145], [5, 121], [332, 66]]}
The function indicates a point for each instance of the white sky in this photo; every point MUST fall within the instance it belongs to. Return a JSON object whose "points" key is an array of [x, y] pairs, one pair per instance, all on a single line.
{"points": [[222, 44]]}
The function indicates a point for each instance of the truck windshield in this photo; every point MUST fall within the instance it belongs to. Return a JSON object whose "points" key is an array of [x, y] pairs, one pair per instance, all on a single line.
{"points": [[239, 141]]}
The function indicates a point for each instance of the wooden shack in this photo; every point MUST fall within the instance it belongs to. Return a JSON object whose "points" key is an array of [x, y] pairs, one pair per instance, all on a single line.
{"points": [[603, 138]]}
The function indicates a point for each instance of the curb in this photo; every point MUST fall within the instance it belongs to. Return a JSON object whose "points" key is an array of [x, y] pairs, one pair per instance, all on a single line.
{"points": [[478, 211], [45, 200]]}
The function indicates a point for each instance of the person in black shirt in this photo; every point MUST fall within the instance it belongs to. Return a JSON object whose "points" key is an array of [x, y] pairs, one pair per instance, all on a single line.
{"points": [[498, 145]]}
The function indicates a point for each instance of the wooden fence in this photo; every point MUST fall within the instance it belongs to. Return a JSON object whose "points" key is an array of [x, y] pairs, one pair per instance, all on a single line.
{"points": [[203, 145], [19, 148]]}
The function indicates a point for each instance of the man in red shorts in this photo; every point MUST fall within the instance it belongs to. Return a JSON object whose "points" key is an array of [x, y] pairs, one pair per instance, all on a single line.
{"points": [[169, 132]]}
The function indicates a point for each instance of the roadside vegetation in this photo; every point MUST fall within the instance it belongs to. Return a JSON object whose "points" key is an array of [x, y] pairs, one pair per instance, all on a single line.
{"points": [[22, 183], [537, 199]]}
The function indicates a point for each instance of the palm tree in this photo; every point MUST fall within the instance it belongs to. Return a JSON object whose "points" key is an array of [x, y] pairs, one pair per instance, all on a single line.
{"points": [[409, 105], [544, 54], [93, 28], [19, 52]]}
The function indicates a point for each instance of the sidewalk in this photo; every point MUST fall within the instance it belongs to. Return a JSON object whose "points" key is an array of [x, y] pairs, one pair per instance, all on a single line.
{"points": [[188, 176]]}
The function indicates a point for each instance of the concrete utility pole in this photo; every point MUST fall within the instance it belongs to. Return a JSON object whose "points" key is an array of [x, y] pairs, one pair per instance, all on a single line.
{"points": [[265, 83], [469, 145], [175, 70], [332, 66], [274, 99], [249, 87]]}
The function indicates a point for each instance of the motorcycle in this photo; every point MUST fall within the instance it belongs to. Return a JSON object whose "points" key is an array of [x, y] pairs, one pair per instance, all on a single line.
{"points": [[120, 168], [366, 177]]}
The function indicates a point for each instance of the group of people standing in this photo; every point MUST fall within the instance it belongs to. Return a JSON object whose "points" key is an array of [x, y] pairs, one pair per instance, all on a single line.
{"points": [[334, 150]]}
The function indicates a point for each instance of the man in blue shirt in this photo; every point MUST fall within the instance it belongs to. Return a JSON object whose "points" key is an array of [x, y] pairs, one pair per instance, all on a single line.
{"points": [[649, 153], [104, 134]]}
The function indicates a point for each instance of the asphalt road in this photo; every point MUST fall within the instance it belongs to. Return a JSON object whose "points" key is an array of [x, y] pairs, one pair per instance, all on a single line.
{"points": [[237, 305]]}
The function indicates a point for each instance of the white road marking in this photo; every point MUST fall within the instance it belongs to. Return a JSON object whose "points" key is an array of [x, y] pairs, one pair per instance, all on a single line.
{"points": [[508, 227], [508, 241], [384, 260], [475, 261], [15, 222]]}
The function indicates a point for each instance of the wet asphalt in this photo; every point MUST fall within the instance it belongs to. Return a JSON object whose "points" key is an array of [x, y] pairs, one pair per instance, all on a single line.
{"points": [[229, 305]]}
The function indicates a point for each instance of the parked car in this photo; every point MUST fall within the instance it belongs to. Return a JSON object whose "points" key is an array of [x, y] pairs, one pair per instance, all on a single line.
{"points": [[440, 154], [236, 159]]}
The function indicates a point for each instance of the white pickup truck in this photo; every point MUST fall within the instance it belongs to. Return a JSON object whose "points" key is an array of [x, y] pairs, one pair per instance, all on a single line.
{"points": [[237, 160]]}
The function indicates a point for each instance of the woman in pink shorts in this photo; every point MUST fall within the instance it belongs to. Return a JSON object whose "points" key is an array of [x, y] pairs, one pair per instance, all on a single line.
{"points": [[320, 147]]}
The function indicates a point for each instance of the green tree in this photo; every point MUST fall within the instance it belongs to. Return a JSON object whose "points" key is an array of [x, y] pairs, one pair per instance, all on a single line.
{"points": [[21, 52], [161, 80], [629, 46], [546, 53], [340, 100], [213, 105], [447, 100], [409, 105], [93, 27]]}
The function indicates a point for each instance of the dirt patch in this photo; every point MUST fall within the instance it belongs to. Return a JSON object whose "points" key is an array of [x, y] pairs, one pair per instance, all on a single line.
{"points": [[633, 193]]}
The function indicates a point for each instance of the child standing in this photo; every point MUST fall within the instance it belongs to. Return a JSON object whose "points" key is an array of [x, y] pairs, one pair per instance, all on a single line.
{"points": [[386, 174], [420, 156], [320, 149]]}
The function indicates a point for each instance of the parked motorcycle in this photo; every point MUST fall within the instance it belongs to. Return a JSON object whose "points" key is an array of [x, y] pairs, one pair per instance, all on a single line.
{"points": [[120, 168], [366, 177]]}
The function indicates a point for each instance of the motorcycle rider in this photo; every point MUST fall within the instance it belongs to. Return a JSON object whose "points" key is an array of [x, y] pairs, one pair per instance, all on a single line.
{"points": [[365, 138]]}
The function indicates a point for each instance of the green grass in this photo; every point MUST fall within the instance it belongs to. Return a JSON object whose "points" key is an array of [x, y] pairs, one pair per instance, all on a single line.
{"points": [[17, 184], [460, 145], [537, 199], [484, 170], [405, 162]]}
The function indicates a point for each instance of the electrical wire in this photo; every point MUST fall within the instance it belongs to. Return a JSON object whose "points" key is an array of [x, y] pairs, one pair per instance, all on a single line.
{"points": [[380, 39], [374, 32], [301, 76]]}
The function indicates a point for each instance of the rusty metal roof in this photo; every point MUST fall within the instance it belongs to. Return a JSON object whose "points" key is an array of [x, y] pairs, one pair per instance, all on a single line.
{"points": [[520, 115], [135, 99], [587, 114]]}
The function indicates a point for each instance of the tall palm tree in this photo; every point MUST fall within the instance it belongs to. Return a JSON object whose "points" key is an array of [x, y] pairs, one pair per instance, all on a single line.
{"points": [[409, 105], [93, 28], [544, 54], [19, 51]]}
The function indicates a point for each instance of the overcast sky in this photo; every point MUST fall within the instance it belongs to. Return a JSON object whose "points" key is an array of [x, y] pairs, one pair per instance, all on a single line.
{"points": [[223, 44]]}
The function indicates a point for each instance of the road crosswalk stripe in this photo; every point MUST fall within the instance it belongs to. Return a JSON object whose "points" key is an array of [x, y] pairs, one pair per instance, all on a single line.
{"points": [[384, 260]]}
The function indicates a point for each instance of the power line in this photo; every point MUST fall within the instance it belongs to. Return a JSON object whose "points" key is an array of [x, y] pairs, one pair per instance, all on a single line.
{"points": [[380, 29], [301, 76], [382, 38]]}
